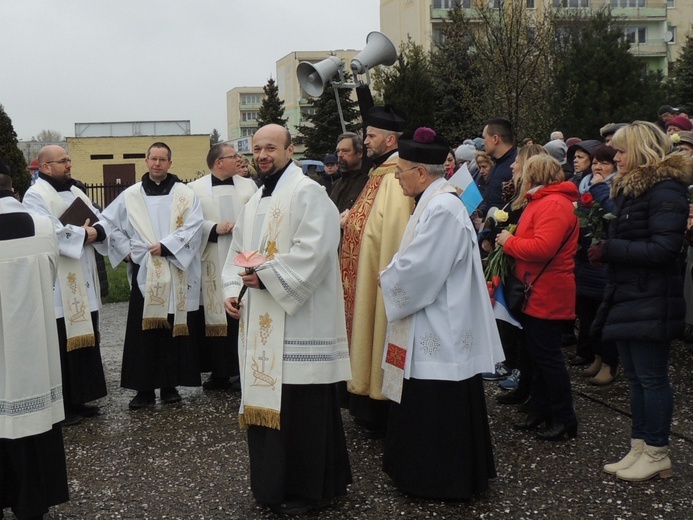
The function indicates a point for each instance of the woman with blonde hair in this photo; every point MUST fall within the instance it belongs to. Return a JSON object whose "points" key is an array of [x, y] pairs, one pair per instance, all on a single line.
{"points": [[544, 246], [643, 307]]}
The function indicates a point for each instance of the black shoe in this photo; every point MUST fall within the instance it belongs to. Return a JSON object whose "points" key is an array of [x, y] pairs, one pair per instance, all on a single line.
{"points": [[235, 384], [525, 407], [299, 506], [556, 431], [373, 433], [142, 399], [170, 395], [531, 422], [579, 361], [513, 397], [216, 383], [71, 419], [85, 410]]}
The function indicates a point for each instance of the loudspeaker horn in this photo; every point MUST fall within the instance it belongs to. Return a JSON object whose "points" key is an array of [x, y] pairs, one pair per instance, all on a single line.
{"points": [[379, 50], [314, 76]]}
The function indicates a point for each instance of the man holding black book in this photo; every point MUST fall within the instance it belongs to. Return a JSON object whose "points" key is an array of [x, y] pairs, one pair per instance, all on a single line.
{"points": [[76, 292]]}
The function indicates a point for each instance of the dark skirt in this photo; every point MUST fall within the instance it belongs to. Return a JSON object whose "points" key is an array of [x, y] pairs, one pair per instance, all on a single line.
{"points": [[81, 369], [218, 354], [154, 358], [308, 457], [438, 443], [33, 475]]}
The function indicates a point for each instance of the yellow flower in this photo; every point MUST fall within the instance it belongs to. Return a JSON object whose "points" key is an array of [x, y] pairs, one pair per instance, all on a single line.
{"points": [[500, 216], [675, 138]]}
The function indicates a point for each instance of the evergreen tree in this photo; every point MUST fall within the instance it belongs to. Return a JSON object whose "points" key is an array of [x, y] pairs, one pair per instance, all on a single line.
{"points": [[272, 107], [409, 86], [320, 136], [585, 97], [11, 154], [680, 82], [214, 137]]}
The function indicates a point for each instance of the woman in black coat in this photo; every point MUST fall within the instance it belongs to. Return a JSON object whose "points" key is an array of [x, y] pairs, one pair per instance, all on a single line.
{"points": [[643, 307]]}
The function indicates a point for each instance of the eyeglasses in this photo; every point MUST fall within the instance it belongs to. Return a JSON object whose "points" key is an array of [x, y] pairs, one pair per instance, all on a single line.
{"points": [[400, 172], [66, 160], [234, 156]]}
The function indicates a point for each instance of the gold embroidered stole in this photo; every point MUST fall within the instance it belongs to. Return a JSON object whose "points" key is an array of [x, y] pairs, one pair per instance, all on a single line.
{"points": [[160, 272], [214, 257], [261, 327], [353, 236], [73, 288], [399, 339]]}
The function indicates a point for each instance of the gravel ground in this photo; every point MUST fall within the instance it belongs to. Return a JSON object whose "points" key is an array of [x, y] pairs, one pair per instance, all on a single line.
{"points": [[190, 460]]}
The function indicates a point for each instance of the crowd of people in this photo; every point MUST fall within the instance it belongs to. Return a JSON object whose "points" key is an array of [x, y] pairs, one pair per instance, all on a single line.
{"points": [[365, 291]]}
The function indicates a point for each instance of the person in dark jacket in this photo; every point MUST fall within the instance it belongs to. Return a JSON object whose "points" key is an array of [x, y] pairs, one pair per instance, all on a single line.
{"points": [[331, 175], [643, 307], [354, 171], [543, 247]]}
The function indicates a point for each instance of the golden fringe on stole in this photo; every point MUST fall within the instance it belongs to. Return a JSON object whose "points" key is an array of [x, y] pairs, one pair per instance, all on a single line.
{"points": [[88, 340], [216, 330], [155, 323], [256, 416], [180, 330]]}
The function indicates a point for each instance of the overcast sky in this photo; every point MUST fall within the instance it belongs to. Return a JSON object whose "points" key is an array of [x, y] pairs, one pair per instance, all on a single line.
{"points": [[75, 61]]}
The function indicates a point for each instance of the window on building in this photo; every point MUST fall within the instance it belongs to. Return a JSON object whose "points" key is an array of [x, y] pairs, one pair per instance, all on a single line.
{"points": [[251, 99], [530, 4], [636, 34], [134, 156], [449, 4], [628, 3], [247, 132], [670, 4], [101, 157], [571, 3], [670, 35], [249, 116]]}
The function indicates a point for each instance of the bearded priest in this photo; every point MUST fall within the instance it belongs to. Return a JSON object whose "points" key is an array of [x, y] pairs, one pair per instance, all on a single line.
{"points": [[292, 340], [441, 335]]}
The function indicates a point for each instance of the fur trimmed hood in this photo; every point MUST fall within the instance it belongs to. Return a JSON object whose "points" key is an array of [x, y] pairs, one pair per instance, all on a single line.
{"points": [[677, 167]]}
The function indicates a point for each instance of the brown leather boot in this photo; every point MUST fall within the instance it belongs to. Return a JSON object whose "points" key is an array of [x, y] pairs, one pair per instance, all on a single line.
{"points": [[593, 369], [606, 376]]}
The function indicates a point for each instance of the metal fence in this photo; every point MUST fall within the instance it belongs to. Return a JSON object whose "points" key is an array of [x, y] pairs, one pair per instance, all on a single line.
{"points": [[103, 194]]}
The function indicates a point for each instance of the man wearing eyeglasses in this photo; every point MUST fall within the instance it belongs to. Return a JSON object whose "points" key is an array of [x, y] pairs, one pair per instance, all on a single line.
{"points": [[77, 297], [156, 225], [222, 194]]}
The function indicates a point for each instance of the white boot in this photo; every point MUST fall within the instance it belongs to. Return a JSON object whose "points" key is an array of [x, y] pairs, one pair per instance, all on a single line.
{"points": [[653, 461], [636, 446]]}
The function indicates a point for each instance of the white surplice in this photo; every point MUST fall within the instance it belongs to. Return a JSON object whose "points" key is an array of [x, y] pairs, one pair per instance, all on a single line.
{"points": [[183, 243], [439, 281], [71, 241], [305, 280], [31, 399]]}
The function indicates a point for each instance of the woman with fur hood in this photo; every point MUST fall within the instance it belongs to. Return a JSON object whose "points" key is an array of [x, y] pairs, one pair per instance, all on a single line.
{"points": [[643, 307]]}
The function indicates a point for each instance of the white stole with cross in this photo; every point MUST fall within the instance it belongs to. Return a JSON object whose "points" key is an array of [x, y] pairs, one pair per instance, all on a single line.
{"points": [[226, 205], [399, 340], [261, 327], [160, 272], [73, 288]]}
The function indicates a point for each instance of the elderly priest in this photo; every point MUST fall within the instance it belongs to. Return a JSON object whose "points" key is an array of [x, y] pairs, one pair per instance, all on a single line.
{"points": [[441, 336]]}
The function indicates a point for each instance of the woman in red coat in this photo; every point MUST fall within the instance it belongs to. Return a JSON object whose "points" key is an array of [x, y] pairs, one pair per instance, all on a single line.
{"points": [[546, 238]]}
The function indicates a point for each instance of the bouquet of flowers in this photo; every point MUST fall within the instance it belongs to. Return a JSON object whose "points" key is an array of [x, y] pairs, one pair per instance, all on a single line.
{"points": [[592, 217], [498, 265]]}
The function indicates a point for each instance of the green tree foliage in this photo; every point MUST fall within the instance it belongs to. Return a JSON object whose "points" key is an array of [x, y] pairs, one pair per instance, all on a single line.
{"points": [[599, 81], [409, 85], [10, 153], [272, 107], [458, 87], [214, 137], [320, 136], [680, 81]]}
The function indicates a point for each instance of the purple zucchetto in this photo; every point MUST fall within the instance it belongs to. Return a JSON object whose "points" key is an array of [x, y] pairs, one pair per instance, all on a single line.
{"points": [[424, 146]]}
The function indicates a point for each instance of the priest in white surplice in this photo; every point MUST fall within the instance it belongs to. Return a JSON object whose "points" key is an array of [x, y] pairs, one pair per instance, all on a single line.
{"points": [[156, 225], [292, 341], [33, 475], [222, 194], [441, 336], [77, 295]]}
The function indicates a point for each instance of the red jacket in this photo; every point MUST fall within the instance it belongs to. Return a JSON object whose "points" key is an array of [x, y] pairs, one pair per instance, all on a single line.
{"points": [[545, 223]]}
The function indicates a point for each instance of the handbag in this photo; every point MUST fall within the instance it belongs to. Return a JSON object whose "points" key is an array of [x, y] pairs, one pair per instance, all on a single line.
{"points": [[517, 292]]}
